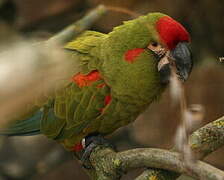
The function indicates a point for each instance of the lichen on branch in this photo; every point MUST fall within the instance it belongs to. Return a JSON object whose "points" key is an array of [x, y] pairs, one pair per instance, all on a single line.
{"points": [[111, 165]]}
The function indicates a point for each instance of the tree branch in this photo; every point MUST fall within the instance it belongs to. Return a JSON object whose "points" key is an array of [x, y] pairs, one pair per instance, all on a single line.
{"points": [[202, 142], [78, 27], [111, 165], [208, 138], [158, 174]]}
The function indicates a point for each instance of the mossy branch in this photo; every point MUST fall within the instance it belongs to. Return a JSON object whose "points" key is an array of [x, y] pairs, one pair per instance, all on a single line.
{"points": [[202, 142], [208, 138], [111, 165]]}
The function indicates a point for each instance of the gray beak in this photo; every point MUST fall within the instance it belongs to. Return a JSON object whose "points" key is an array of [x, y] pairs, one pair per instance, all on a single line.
{"points": [[183, 59]]}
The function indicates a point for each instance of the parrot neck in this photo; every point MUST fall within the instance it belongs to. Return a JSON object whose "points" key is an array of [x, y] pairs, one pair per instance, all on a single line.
{"points": [[132, 76]]}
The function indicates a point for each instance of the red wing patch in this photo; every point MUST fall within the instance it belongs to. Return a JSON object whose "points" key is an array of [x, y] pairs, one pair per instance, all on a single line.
{"points": [[86, 80], [107, 101], [131, 54]]}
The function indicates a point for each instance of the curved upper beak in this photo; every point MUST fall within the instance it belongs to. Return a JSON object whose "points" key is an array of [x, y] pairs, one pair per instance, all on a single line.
{"points": [[182, 57]]}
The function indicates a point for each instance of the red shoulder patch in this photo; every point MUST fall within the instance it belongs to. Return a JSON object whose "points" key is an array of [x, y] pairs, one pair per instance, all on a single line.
{"points": [[131, 54], [85, 80], [171, 32]]}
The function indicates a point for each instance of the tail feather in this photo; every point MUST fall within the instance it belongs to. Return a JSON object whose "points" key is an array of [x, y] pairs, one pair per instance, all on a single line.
{"points": [[26, 127]]}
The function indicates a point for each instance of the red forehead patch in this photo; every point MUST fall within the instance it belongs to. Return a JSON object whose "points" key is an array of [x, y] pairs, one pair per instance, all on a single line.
{"points": [[171, 32]]}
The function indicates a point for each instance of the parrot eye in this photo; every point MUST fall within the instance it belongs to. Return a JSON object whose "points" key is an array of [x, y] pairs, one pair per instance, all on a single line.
{"points": [[157, 49], [154, 44]]}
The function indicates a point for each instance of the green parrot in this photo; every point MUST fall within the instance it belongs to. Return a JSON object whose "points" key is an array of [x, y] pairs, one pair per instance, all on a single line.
{"points": [[119, 75]]}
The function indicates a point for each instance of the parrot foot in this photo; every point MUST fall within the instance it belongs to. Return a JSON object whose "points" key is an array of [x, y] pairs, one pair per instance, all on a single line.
{"points": [[91, 142]]}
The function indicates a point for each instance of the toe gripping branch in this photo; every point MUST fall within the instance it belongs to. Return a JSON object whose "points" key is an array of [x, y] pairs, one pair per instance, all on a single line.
{"points": [[83, 150]]}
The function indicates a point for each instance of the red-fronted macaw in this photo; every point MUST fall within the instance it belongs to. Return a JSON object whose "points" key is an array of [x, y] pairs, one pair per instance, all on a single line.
{"points": [[120, 74]]}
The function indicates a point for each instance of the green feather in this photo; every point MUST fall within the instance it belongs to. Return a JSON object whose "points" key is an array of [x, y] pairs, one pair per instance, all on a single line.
{"points": [[85, 49], [24, 127]]}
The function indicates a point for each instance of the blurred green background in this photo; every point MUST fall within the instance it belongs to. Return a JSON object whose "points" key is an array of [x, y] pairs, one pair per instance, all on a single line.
{"points": [[39, 158]]}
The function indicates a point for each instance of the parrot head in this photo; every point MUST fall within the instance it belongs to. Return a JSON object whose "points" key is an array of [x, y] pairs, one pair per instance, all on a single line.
{"points": [[161, 35], [170, 40], [139, 55]]}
